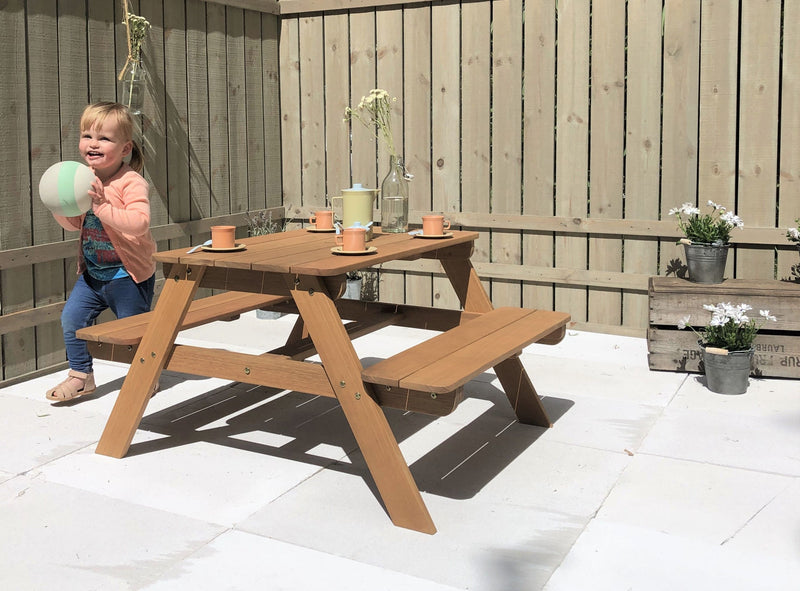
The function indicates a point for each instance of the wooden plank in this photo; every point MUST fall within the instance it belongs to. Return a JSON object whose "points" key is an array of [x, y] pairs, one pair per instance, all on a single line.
{"points": [[49, 278], [389, 75], [15, 221], [776, 355], [538, 162], [606, 152], [312, 109], [290, 114], [101, 43], [446, 136], [337, 99], [475, 137], [270, 30], [254, 96], [758, 128], [642, 146], [238, 132], [175, 83], [572, 143], [416, 127], [365, 148], [672, 299], [680, 116], [218, 110], [155, 119], [197, 114], [789, 172], [506, 140]]}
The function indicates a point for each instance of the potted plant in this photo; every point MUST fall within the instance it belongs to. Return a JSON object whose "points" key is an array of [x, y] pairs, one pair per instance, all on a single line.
{"points": [[727, 345], [706, 241]]}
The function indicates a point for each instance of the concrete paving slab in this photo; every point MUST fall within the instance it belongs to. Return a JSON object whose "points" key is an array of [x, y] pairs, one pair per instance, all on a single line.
{"points": [[238, 560], [611, 556], [59, 537]]}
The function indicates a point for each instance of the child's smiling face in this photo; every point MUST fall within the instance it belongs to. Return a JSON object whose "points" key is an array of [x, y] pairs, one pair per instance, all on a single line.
{"points": [[103, 149]]}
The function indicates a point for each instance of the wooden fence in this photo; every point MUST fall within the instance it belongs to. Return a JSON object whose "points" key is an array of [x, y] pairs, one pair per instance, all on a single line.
{"points": [[563, 130], [210, 132]]}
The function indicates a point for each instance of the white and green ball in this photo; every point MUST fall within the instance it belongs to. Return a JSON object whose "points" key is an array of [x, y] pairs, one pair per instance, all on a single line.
{"points": [[64, 188]]}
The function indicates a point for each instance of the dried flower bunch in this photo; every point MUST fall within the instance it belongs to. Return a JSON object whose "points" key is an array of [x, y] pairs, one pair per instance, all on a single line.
{"points": [[136, 28], [793, 234], [712, 228], [261, 223], [375, 113], [729, 328]]}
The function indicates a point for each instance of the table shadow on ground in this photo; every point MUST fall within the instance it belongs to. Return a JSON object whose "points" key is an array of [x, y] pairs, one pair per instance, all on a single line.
{"points": [[295, 426]]}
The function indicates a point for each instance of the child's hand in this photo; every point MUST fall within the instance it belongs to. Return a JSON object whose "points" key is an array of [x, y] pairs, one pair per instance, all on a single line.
{"points": [[97, 193]]}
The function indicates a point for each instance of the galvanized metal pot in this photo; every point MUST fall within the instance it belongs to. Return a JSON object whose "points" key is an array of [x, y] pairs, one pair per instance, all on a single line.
{"points": [[727, 374], [706, 262]]}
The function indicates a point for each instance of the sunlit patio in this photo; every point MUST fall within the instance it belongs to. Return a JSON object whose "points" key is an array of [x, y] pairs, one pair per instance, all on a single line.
{"points": [[646, 481]]}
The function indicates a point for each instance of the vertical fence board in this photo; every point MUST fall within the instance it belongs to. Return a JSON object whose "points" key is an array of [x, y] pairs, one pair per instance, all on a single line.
{"points": [[642, 146], [606, 152], [198, 125], [290, 110], [254, 92], [758, 130], [154, 123], [538, 150], [238, 132], [475, 113], [337, 64], [789, 178], [680, 115], [270, 30], [389, 76], [102, 70], [312, 92], [176, 116], [446, 136], [15, 221], [49, 278], [417, 121], [363, 153], [506, 141], [572, 144]]}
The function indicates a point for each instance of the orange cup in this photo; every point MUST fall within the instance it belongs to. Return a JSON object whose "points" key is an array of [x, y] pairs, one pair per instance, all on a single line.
{"points": [[323, 220], [352, 239], [223, 236], [434, 225]]}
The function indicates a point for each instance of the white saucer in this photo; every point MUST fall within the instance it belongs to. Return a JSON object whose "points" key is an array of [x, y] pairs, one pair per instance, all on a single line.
{"points": [[369, 250], [434, 236], [239, 246], [315, 229]]}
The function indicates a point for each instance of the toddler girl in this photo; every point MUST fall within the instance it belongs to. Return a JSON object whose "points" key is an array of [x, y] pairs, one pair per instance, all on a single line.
{"points": [[115, 262]]}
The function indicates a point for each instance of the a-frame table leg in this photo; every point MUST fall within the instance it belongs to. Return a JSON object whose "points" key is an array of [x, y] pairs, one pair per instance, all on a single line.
{"points": [[366, 418], [512, 375], [154, 349]]}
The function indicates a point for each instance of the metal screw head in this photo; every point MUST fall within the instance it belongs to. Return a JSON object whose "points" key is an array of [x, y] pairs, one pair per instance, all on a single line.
{"points": [[358, 396], [342, 384], [433, 395], [247, 371], [141, 359], [153, 354]]}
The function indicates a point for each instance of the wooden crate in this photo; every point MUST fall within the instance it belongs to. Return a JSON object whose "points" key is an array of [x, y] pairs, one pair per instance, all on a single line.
{"points": [[777, 344]]}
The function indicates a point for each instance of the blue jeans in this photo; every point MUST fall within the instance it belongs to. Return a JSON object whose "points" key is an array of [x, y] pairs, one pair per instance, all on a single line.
{"points": [[89, 297]]}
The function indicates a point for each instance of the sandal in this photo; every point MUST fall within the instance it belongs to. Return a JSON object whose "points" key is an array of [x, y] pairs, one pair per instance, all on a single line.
{"points": [[68, 389]]}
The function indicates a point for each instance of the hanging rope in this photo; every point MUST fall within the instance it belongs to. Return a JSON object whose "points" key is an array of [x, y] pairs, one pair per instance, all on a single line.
{"points": [[140, 26]]}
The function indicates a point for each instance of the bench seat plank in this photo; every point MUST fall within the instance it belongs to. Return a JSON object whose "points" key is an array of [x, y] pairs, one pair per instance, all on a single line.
{"points": [[451, 359], [223, 306]]}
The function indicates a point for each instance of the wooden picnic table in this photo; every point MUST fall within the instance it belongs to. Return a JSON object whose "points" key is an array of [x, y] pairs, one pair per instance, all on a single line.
{"points": [[299, 268]]}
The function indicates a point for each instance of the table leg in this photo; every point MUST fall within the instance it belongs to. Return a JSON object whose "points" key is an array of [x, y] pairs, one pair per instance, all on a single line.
{"points": [[151, 356], [366, 419], [512, 375]]}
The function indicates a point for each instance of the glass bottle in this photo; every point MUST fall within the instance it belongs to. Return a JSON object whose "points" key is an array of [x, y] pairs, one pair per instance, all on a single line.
{"points": [[134, 85], [394, 197]]}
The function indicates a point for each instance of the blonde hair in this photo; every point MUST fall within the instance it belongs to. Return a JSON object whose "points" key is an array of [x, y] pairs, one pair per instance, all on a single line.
{"points": [[95, 115]]}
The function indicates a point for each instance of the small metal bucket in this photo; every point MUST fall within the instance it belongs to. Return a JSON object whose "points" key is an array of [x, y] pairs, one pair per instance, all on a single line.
{"points": [[728, 374], [706, 262]]}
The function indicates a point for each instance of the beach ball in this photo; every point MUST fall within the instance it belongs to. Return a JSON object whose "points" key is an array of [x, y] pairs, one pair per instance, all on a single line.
{"points": [[64, 188]]}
